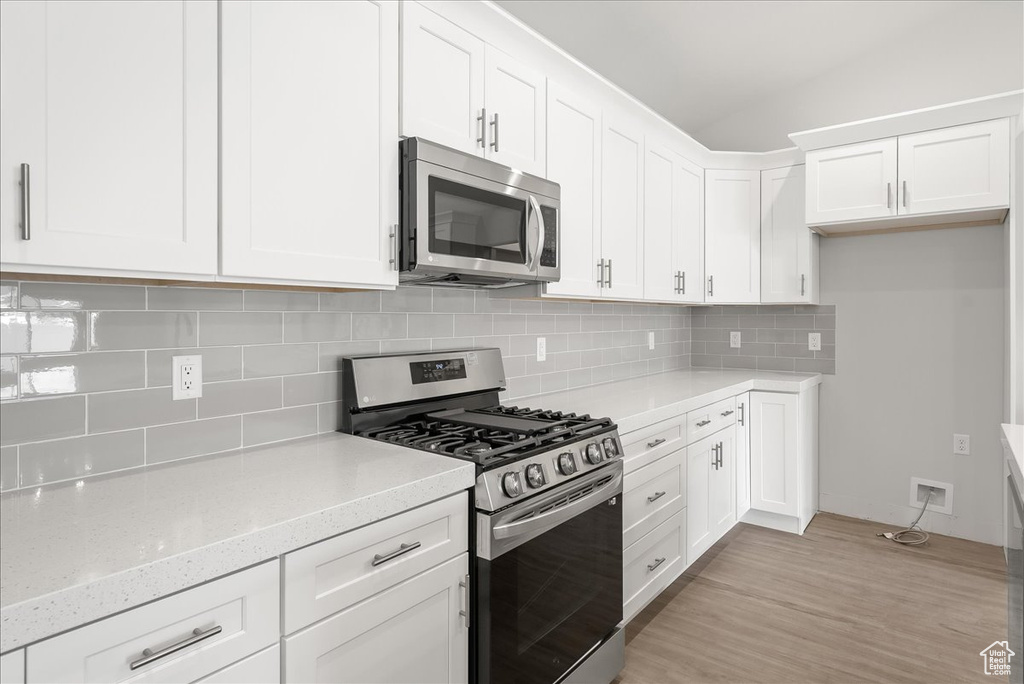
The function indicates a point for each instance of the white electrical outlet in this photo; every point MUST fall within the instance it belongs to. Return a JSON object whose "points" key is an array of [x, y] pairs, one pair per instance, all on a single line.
{"points": [[734, 339], [650, 339], [814, 341], [542, 348], [186, 377], [962, 444]]}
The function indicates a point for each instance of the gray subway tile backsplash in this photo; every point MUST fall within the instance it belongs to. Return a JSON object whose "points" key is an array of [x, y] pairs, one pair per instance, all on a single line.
{"points": [[52, 374], [8, 377], [65, 459], [274, 426], [193, 299], [37, 332], [226, 328], [272, 300], [8, 295], [78, 296], [219, 364], [36, 420], [267, 360], [239, 396], [194, 438], [113, 330], [8, 468], [109, 411]]}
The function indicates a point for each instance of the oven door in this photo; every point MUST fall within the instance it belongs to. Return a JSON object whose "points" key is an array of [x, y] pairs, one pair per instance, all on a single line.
{"points": [[549, 580], [475, 226]]}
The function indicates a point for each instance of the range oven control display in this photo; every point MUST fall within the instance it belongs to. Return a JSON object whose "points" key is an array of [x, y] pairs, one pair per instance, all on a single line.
{"points": [[437, 371]]}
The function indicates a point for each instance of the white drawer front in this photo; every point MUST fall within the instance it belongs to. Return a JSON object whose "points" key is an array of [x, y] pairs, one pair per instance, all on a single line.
{"points": [[653, 563], [259, 668], [652, 495], [245, 606], [710, 419], [652, 442], [12, 667], [330, 576]]}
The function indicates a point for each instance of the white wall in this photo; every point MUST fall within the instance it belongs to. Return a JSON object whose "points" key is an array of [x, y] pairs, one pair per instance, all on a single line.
{"points": [[1014, 410], [920, 326], [964, 54]]}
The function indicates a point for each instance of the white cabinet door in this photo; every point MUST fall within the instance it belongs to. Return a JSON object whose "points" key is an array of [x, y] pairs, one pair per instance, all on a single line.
{"points": [[700, 474], [742, 454], [732, 237], [851, 182], [660, 275], [259, 668], [308, 189], [12, 667], [113, 107], [622, 209], [411, 632], [574, 162], [442, 81], [789, 249], [688, 229], [774, 449], [308, 177], [723, 483], [955, 169], [515, 99]]}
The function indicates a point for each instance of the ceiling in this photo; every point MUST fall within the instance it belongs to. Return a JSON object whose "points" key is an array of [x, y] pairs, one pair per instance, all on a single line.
{"points": [[698, 62]]}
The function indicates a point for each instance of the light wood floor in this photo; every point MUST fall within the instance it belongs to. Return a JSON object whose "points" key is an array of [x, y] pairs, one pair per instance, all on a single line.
{"points": [[835, 605]]}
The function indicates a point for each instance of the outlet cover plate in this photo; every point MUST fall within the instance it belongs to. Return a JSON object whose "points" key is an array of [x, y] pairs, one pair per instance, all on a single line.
{"points": [[919, 484], [186, 377], [814, 341], [962, 444], [734, 339], [542, 349], [650, 339]]}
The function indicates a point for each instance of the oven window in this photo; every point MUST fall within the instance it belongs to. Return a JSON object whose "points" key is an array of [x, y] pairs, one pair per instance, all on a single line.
{"points": [[469, 222], [553, 598]]}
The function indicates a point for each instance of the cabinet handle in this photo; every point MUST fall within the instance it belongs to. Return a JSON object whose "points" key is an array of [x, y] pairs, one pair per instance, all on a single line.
{"points": [[711, 285], [675, 282], [888, 195], [26, 202], [394, 247], [657, 495], [742, 415], [714, 457], [494, 137], [654, 566], [600, 273], [727, 413], [464, 584], [702, 423], [660, 440], [609, 273], [904, 194], [150, 656], [482, 119], [803, 284], [400, 551], [720, 450], [682, 282]]}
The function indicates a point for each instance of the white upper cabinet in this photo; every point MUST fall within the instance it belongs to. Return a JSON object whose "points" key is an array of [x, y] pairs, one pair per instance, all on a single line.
{"points": [[460, 92], [574, 162], [308, 179], [111, 110], [955, 169], [732, 235], [515, 98], [673, 227], [852, 182], [622, 209], [789, 250], [442, 81]]}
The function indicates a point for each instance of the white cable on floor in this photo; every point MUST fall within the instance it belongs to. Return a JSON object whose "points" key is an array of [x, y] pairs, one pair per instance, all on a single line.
{"points": [[911, 536]]}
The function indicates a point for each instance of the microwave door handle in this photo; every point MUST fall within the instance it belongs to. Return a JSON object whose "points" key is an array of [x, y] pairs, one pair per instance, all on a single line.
{"points": [[535, 259]]}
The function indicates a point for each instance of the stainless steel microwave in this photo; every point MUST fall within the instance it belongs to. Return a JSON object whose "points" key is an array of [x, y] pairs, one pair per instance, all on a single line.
{"points": [[468, 221]]}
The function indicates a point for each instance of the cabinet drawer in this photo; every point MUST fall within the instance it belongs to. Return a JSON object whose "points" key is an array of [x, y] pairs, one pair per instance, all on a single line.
{"points": [[653, 563], [652, 495], [329, 576], [710, 419], [259, 668], [244, 607], [652, 442], [412, 632], [12, 667]]}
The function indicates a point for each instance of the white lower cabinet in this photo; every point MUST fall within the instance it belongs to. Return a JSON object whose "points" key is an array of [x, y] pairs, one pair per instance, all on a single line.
{"points": [[710, 490], [412, 632], [653, 494], [259, 668], [742, 455], [653, 563], [12, 667]]}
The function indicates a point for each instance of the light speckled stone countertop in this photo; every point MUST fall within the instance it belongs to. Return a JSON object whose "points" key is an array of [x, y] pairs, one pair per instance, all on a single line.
{"points": [[639, 402], [73, 553]]}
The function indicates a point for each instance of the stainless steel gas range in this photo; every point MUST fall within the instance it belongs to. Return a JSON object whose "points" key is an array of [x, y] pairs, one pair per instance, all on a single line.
{"points": [[547, 580]]}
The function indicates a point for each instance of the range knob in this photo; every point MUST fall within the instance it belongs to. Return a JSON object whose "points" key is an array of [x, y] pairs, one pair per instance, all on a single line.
{"points": [[512, 484], [566, 463], [535, 476], [610, 447], [593, 453]]}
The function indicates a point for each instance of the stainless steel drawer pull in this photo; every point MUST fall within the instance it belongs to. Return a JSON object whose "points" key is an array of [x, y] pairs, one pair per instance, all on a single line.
{"points": [[26, 202], [682, 282], [483, 127], [742, 415], [711, 286], [494, 136], [464, 584], [400, 551], [654, 566], [727, 413], [149, 655], [394, 247], [702, 423], [609, 273], [600, 273], [660, 440], [657, 495], [888, 195], [904, 193]]}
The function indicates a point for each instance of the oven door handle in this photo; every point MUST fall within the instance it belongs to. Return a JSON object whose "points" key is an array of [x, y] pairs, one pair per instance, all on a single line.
{"points": [[561, 514], [539, 246]]}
